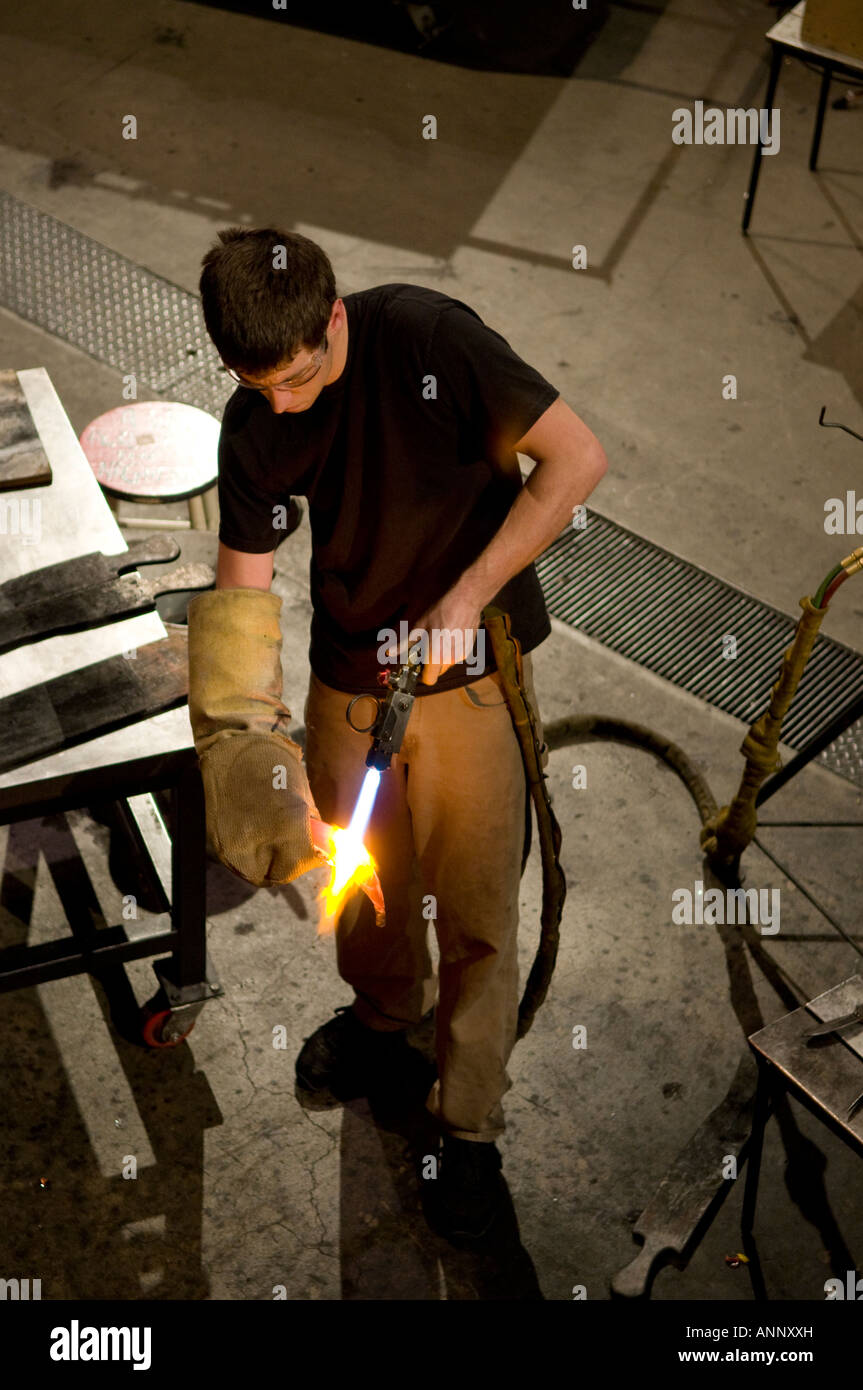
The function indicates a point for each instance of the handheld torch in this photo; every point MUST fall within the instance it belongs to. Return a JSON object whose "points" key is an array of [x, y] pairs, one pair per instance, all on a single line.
{"points": [[387, 730]]}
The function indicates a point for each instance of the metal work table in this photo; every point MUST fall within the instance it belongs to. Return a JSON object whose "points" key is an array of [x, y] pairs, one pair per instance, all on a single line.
{"points": [[70, 518], [786, 41], [825, 1075]]}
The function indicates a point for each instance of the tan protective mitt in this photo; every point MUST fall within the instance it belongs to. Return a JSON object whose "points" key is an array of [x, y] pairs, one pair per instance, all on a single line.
{"points": [[258, 799]]}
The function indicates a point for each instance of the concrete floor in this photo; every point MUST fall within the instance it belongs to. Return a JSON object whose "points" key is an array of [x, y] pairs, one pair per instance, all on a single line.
{"points": [[240, 1189]]}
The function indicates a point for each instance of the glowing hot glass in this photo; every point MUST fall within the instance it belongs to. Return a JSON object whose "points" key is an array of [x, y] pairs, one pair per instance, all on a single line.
{"points": [[351, 862]]}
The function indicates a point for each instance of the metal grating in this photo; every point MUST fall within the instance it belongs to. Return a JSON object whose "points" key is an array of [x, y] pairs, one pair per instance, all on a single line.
{"points": [[636, 598], [845, 754], [658, 610], [108, 307]]}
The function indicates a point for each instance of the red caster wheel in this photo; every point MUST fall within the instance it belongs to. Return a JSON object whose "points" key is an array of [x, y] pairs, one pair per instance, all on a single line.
{"points": [[156, 1030]]}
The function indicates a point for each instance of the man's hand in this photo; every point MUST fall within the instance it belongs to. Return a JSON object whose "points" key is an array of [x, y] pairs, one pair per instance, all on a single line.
{"points": [[321, 833], [450, 633]]}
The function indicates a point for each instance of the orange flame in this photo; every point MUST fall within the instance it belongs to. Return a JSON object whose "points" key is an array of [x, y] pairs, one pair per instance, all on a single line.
{"points": [[351, 865]]}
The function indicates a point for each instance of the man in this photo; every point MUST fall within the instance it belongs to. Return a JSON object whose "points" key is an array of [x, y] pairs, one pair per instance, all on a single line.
{"points": [[398, 414]]}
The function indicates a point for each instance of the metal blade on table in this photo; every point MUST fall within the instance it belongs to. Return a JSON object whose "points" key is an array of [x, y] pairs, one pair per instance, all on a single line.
{"points": [[95, 700], [833, 1025], [104, 603], [84, 571]]}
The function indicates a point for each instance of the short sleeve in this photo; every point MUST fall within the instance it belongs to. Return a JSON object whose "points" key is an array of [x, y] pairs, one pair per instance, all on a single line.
{"points": [[485, 380], [247, 516]]}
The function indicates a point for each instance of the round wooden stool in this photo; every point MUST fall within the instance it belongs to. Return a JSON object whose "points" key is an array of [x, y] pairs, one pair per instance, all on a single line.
{"points": [[157, 451]]}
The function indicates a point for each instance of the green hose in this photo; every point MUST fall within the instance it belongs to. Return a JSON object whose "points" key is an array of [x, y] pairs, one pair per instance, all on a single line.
{"points": [[818, 601]]}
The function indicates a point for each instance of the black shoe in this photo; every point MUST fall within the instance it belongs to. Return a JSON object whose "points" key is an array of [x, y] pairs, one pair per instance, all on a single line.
{"points": [[347, 1059], [469, 1188]]}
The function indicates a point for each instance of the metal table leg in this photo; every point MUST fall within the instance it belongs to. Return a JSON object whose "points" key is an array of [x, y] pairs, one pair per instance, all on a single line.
{"points": [[756, 1146], [749, 196], [188, 977], [819, 119], [760, 1115]]}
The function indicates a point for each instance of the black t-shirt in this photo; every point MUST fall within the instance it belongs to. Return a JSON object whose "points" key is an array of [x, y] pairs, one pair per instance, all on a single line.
{"points": [[408, 467]]}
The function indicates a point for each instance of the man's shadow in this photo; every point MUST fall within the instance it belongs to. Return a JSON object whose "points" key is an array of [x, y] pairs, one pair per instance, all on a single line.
{"points": [[389, 1248]]}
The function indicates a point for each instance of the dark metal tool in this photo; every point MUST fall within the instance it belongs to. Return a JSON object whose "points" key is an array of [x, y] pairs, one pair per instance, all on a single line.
{"points": [[95, 700], [76, 609], [52, 581], [393, 711], [692, 1188], [834, 1024]]}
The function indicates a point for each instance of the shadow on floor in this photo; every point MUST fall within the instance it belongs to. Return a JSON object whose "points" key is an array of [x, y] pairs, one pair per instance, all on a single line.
{"points": [[92, 1236]]}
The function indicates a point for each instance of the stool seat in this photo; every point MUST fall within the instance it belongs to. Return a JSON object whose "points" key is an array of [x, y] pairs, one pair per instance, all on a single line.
{"points": [[153, 451]]}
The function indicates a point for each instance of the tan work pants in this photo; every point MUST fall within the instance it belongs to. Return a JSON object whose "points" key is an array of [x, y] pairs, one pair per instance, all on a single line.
{"points": [[447, 833]]}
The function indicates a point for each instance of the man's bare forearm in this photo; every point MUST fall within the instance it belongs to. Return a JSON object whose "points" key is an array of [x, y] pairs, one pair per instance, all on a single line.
{"points": [[537, 516], [237, 570]]}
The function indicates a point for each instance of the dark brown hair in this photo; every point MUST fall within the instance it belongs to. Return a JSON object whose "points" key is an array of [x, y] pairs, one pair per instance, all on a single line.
{"points": [[259, 316]]}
